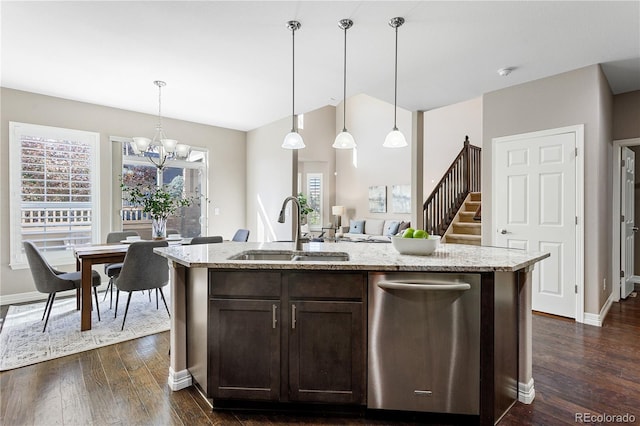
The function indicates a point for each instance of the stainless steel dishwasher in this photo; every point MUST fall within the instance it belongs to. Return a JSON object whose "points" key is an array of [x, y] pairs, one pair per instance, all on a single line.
{"points": [[424, 342]]}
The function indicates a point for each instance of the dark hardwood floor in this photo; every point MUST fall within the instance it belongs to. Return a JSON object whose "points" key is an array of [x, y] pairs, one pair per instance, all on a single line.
{"points": [[576, 368]]}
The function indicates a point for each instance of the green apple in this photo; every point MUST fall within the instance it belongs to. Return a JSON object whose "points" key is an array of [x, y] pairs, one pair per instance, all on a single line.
{"points": [[419, 233], [408, 233]]}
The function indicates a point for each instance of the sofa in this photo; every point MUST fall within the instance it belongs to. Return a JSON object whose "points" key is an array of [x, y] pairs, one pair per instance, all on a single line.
{"points": [[373, 230]]}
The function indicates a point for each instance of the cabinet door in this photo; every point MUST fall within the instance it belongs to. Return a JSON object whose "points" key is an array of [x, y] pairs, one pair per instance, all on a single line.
{"points": [[245, 349], [326, 352]]}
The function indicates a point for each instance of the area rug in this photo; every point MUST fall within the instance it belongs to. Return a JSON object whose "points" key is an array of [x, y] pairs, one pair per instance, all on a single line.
{"points": [[23, 343]]}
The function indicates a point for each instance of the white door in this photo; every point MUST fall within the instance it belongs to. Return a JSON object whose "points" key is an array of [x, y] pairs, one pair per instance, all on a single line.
{"points": [[627, 226], [534, 206]]}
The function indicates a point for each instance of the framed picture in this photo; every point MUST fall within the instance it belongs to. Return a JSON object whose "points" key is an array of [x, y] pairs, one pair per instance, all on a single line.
{"points": [[378, 199], [401, 198]]}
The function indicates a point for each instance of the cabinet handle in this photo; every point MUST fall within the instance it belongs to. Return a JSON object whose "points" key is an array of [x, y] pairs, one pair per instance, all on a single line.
{"points": [[274, 319], [293, 316]]}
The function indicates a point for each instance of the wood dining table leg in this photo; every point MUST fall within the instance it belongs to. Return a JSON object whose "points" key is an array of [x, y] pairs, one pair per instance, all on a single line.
{"points": [[78, 292], [85, 307]]}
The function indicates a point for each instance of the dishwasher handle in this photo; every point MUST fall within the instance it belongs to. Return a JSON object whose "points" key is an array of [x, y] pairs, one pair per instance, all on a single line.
{"points": [[423, 285]]}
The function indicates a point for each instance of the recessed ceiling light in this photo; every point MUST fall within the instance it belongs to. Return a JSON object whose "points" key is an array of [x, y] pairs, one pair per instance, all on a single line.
{"points": [[505, 71]]}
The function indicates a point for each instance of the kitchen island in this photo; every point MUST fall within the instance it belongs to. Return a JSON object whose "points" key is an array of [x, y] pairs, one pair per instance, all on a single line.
{"points": [[259, 322]]}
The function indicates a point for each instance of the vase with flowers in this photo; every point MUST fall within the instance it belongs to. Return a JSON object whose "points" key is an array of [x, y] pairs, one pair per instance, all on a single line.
{"points": [[159, 202], [305, 209]]}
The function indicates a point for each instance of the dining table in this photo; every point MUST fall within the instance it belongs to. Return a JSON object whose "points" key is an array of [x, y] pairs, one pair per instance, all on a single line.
{"points": [[96, 254], [86, 257]]}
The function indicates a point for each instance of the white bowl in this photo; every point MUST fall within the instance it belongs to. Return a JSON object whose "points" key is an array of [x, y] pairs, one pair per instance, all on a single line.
{"points": [[133, 238], [174, 237], [417, 246]]}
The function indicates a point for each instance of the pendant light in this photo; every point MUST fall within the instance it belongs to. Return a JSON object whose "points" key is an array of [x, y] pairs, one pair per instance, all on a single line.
{"points": [[344, 140], [395, 138], [293, 140]]}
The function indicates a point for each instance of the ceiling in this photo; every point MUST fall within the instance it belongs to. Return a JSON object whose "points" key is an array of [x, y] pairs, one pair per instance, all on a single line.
{"points": [[229, 63]]}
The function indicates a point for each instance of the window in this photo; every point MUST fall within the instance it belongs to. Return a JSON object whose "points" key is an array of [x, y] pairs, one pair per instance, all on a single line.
{"points": [[185, 176], [54, 193], [314, 199]]}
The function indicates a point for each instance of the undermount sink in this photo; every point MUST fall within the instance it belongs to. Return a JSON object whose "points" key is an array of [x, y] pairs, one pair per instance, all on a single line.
{"points": [[321, 257], [291, 256], [263, 255]]}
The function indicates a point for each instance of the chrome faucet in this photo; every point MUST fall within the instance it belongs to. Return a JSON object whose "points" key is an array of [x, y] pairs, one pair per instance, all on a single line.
{"points": [[296, 203]]}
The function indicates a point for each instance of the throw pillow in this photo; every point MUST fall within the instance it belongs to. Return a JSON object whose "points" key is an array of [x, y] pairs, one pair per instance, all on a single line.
{"points": [[356, 226], [373, 226], [391, 227], [403, 226]]}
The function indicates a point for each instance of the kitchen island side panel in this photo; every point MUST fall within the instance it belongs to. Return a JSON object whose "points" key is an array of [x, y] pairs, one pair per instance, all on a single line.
{"points": [[197, 318], [506, 342]]}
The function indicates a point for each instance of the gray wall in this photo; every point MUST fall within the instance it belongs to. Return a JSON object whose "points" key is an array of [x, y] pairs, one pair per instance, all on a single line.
{"points": [[319, 156], [369, 120], [576, 97], [444, 132], [626, 115], [272, 171], [269, 181], [227, 152]]}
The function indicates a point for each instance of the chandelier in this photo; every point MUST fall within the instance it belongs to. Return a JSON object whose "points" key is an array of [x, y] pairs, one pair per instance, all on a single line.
{"points": [[159, 149]]}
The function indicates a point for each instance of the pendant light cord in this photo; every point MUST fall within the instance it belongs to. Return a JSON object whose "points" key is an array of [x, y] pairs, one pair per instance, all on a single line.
{"points": [[293, 80], [395, 96], [159, 106], [344, 85]]}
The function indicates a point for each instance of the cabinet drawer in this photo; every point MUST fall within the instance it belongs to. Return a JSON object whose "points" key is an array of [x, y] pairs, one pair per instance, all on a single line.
{"points": [[247, 284], [326, 285]]}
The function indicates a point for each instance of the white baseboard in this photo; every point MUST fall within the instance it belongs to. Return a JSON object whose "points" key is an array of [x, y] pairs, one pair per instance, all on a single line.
{"points": [[598, 319], [34, 296], [179, 379], [526, 392]]}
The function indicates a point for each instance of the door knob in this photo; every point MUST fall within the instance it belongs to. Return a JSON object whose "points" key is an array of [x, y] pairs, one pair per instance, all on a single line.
{"points": [[635, 229], [503, 231]]}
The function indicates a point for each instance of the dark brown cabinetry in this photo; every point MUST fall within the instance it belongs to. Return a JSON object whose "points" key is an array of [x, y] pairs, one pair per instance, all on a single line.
{"points": [[245, 359], [326, 339], [287, 336]]}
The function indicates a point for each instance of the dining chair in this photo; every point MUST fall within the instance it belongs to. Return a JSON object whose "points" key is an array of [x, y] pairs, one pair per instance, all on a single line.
{"points": [[50, 280], [112, 270], [206, 240], [241, 235], [142, 269]]}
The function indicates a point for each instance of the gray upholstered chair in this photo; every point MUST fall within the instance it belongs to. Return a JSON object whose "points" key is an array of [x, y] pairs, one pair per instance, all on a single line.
{"points": [[142, 269], [241, 235], [112, 270], [49, 280], [206, 240]]}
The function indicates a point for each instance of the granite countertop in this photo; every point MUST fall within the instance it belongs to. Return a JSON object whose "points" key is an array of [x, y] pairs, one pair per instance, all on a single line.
{"points": [[362, 257]]}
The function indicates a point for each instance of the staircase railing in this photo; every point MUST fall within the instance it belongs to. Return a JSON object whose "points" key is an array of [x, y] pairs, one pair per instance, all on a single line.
{"points": [[462, 177]]}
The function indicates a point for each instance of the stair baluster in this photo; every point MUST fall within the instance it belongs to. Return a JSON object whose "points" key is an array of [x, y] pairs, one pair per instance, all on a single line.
{"points": [[462, 177]]}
